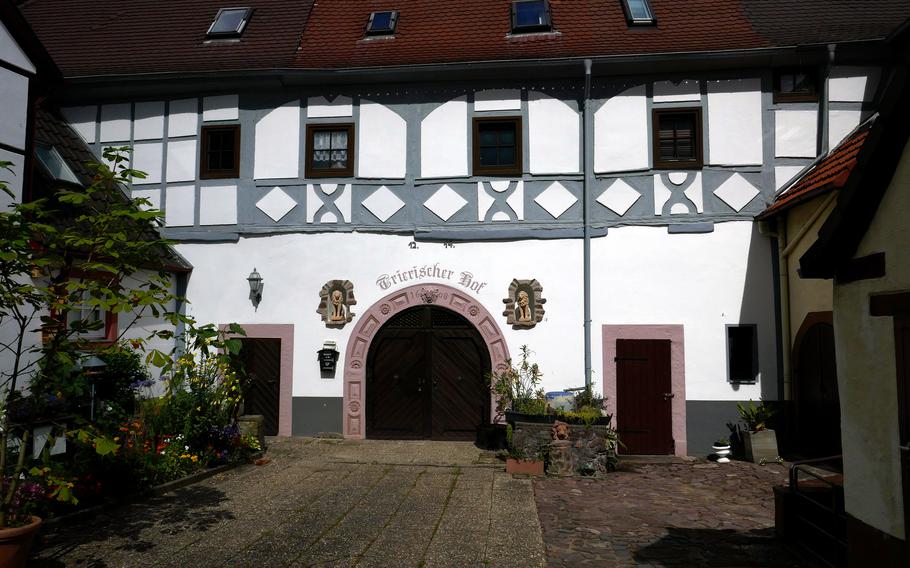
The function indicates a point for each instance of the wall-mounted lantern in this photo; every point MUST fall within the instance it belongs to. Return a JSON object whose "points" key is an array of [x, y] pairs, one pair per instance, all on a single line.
{"points": [[328, 357], [255, 281]]}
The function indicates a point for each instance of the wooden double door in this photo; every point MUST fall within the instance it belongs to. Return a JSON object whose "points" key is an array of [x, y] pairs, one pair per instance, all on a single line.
{"points": [[426, 377]]}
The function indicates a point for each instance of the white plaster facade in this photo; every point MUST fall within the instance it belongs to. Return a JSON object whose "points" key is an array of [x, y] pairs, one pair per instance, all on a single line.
{"points": [[867, 370], [643, 276]]}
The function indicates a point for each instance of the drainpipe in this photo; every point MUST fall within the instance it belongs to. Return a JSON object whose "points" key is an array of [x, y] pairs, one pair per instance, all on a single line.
{"points": [[588, 165], [783, 271]]}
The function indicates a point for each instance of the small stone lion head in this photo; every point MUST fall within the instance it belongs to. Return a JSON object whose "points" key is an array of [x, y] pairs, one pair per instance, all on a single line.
{"points": [[560, 431]]}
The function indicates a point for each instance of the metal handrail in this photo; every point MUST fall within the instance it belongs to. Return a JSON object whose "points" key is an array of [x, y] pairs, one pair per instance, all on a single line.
{"points": [[836, 508]]}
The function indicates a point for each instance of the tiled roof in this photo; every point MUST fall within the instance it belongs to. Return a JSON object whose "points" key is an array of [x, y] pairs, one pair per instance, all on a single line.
{"points": [[479, 30], [805, 22], [106, 37], [53, 130], [829, 174]]}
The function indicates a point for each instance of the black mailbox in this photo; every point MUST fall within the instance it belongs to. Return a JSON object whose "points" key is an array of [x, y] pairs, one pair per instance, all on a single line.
{"points": [[328, 357]]}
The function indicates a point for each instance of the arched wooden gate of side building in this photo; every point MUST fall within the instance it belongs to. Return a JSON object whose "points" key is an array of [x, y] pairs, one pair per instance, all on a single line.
{"points": [[816, 393]]}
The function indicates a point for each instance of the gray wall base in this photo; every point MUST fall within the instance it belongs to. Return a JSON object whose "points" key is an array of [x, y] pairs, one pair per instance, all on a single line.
{"points": [[314, 414], [706, 422]]}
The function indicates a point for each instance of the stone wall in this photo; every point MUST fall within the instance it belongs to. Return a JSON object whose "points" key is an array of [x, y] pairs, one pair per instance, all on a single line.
{"points": [[588, 450]]}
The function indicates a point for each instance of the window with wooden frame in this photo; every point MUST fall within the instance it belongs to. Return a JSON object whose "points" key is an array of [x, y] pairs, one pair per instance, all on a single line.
{"points": [[91, 322], [497, 146], [794, 85], [220, 157], [330, 150], [677, 138]]}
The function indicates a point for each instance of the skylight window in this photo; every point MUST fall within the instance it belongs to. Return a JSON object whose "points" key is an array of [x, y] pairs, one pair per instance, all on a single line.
{"points": [[54, 163], [382, 23], [531, 16], [638, 12], [229, 22]]}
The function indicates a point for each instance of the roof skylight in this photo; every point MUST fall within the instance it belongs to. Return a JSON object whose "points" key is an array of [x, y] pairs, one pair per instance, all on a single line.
{"points": [[229, 22], [638, 12], [382, 23], [530, 16], [54, 163]]}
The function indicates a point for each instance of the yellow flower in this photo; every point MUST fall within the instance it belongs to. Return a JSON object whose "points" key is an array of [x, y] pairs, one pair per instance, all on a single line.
{"points": [[194, 458]]}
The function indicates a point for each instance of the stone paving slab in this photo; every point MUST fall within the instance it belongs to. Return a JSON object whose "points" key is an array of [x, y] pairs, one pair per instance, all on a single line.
{"points": [[320, 503], [689, 515]]}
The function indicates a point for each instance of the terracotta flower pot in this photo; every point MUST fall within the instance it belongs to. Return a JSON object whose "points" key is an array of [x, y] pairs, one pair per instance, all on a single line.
{"points": [[15, 543], [530, 467]]}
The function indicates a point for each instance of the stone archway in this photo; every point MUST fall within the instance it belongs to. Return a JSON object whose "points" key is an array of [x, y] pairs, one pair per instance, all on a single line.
{"points": [[354, 407]]}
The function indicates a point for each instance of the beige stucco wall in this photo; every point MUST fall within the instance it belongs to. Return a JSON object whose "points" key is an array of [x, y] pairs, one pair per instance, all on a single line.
{"points": [[806, 295], [866, 368]]}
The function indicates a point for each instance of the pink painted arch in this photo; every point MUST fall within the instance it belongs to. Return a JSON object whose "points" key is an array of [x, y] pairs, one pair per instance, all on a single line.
{"points": [[440, 295]]}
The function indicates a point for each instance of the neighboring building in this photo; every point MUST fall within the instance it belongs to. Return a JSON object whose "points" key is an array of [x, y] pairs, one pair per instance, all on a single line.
{"points": [[864, 247], [26, 75], [45, 154], [442, 162], [808, 360]]}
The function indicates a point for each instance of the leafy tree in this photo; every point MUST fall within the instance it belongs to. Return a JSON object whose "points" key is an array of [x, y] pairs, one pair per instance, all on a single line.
{"points": [[64, 259]]}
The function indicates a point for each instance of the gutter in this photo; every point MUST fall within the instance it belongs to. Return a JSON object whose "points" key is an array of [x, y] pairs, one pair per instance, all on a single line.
{"points": [[588, 165], [95, 86]]}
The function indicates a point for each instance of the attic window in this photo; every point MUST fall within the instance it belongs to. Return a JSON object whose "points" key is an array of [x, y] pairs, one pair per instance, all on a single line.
{"points": [[638, 12], [229, 23], [54, 163], [531, 16], [382, 23]]}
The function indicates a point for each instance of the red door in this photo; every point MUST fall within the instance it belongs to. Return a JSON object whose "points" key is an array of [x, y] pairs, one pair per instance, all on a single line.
{"points": [[644, 396]]}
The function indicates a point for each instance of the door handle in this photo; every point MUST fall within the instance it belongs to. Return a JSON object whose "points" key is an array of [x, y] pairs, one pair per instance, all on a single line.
{"points": [[668, 395], [435, 383], [420, 385]]}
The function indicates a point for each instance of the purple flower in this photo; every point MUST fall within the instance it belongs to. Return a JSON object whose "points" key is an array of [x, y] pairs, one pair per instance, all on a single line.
{"points": [[142, 383]]}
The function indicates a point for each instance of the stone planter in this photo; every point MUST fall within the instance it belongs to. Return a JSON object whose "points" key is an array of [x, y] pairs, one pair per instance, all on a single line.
{"points": [[529, 467], [16, 542], [760, 446]]}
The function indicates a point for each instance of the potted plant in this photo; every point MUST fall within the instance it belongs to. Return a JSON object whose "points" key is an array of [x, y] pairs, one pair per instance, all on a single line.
{"points": [[759, 441], [519, 461], [722, 450], [519, 397]]}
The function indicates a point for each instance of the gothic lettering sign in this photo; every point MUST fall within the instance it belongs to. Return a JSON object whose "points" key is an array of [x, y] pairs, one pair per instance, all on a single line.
{"points": [[427, 271]]}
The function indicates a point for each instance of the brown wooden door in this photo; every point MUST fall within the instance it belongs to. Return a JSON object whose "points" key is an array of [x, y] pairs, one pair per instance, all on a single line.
{"points": [[262, 362], [460, 397], [644, 396], [817, 401], [425, 377], [397, 387]]}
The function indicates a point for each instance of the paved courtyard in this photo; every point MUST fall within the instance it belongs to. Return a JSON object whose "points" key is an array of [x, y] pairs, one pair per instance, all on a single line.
{"points": [[412, 504], [687, 514]]}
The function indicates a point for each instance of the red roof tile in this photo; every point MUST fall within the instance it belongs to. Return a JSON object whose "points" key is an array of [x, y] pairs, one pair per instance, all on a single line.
{"points": [[479, 30], [830, 174], [110, 37], [105, 37]]}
